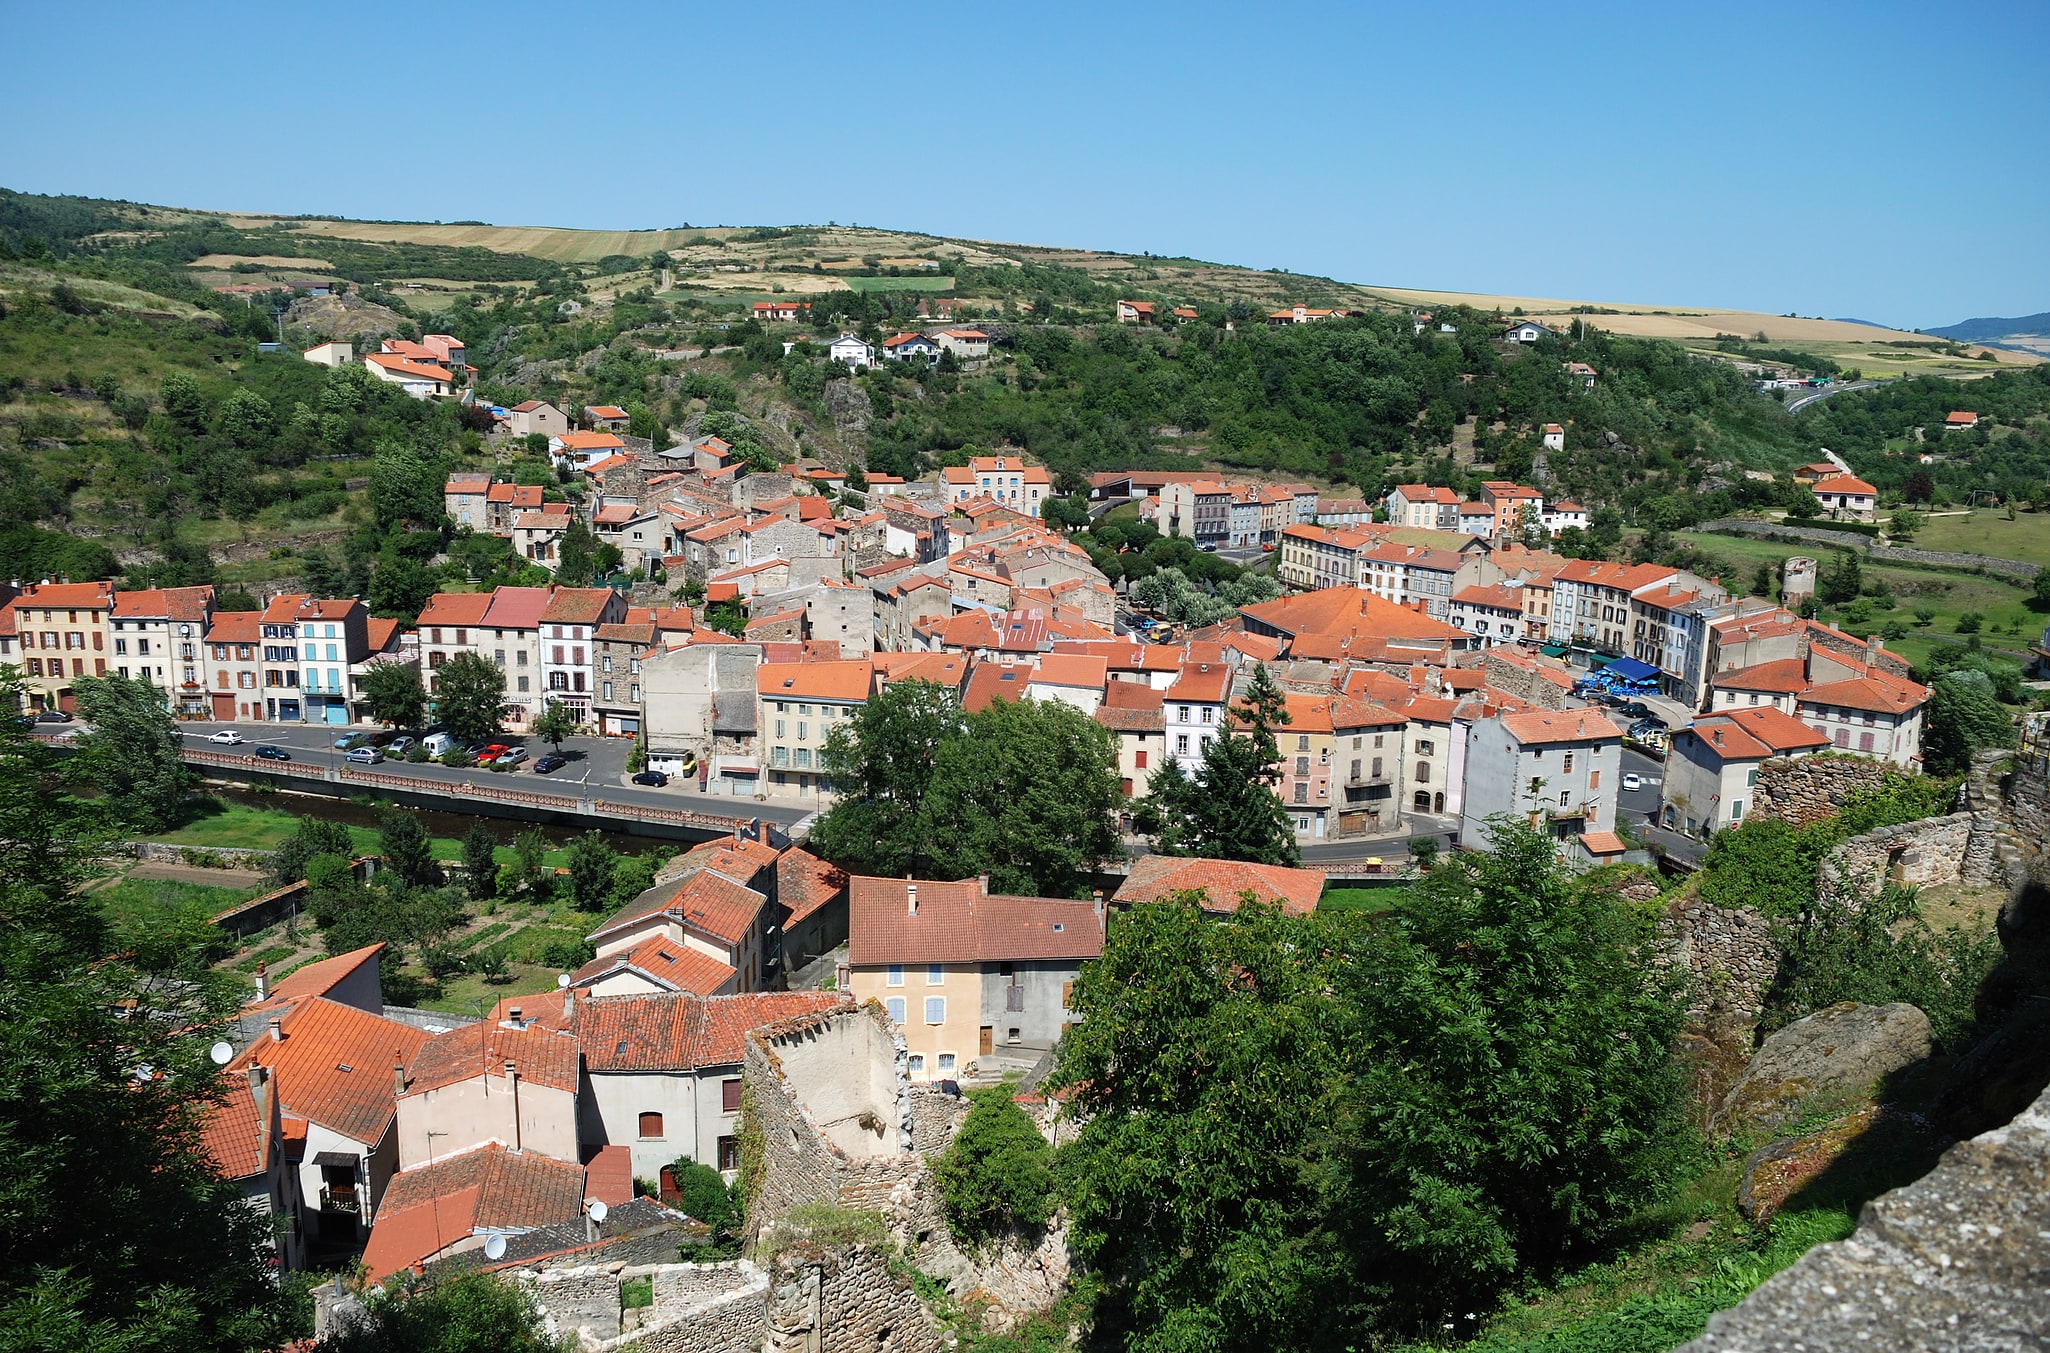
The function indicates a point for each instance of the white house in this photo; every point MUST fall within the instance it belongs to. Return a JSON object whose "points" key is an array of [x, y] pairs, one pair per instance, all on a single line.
{"points": [[1712, 765], [332, 353], [421, 380], [1560, 515], [965, 344], [898, 347], [1528, 331], [1557, 769], [1846, 497], [851, 351], [1193, 710], [1554, 437]]}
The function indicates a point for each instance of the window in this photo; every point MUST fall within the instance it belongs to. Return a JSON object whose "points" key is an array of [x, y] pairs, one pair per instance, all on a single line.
{"points": [[1377, 767], [1207, 712], [917, 1064], [779, 728], [1864, 742], [1181, 744], [1736, 809], [1302, 792], [1302, 765], [1562, 798], [1184, 714], [1423, 748], [935, 975], [896, 975], [1594, 779], [523, 684], [729, 1095], [1302, 742], [1569, 762], [1423, 772], [651, 1127], [946, 1062], [729, 1153], [1139, 759], [894, 1008], [935, 1010]]}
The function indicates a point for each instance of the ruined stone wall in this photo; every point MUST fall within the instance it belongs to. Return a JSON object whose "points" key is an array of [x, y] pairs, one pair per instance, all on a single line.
{"points": [[1729, 956], [845, 1301], [697, 1308], [1974, 849], [935, 1118], [1806, 789], [1523, 683]]}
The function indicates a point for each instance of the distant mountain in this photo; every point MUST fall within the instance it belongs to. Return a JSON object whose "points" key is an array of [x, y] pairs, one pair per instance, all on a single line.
{"points": [[1985, 330], [1868, 323]]}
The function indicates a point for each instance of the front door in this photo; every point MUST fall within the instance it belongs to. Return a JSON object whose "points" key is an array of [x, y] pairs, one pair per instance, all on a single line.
{"points": [[988, 1040]]}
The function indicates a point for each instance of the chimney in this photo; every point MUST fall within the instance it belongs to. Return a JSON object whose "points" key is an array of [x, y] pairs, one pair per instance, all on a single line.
{"points": [[1096, 896], [512, 1018], [262, 982], [910, 898], [512, 1077], [569, 1004], [277, 1031], [983, 881], [398, 1075], [256, 1078]]}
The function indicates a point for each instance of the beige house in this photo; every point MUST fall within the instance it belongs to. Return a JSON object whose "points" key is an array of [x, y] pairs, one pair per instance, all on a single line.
{"points": [[536, 415], [799, 706], [511, 1082], [60, 632]]}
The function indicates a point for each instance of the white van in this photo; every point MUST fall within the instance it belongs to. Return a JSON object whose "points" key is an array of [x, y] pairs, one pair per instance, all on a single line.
{"points": [[437, 743]]}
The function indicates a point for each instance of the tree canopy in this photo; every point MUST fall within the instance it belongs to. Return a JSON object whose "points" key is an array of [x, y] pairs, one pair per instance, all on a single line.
{"points": [[1228, 809], [132, 753], [469, 696]]}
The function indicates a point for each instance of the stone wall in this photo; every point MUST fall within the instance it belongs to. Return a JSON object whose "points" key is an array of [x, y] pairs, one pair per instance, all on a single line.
{"points": [[1523, 683], [202, 857], [1729, 956], [935, 1118], [1952, 1261], [697, 1308], [845, 1301], [1974, 849], [1807, 789], [1852, 540]]}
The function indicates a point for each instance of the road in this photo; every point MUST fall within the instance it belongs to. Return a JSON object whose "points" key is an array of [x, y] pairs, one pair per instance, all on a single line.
{"points": [[597, 766], [1796, 405], [1641, 806]]}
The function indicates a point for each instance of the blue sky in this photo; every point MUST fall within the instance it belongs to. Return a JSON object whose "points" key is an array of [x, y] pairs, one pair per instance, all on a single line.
{"points": [[1887, 162]]}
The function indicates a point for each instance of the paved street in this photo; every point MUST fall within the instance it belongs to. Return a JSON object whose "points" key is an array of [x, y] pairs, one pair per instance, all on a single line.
{"points": [[1641, 807], [597, 766]]}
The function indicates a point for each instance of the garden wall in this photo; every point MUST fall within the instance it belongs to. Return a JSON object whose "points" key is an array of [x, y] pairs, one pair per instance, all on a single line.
{"points": [[1804, 789]]}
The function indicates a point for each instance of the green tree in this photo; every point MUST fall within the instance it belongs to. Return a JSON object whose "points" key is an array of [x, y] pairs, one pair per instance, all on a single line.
{"points": [[469, 696], [133, 751], [996, 1178], [529, 868], [394, 695], [1228, 809], [403, 843], [460, 1313], [576, 564], [1027, 793], [183, 402], [2040, 590], [1965, 717], [1841, 581], [1765, 582], [554, 723], [158, 1255], [321, 575], [881, 764], [591, 863], [480, 862], [703, 1196], [405, 487], [313, 837]]}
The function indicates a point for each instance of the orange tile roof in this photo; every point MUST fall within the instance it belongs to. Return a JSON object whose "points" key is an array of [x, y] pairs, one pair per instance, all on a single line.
{"points": [[1599, 844], [668, 963], [589, 441], [540, 1055], [68, 596], [1874, 691], [236, 1136], [1783, 675], [804, 883], [676, 1031], [605, 411], [1754, 732], [577, 605], [519, 495], [991, 682], [455, 608], [1061, 669], [1844, 483], [430, 1207], [1961, 416], [959, 923], [407, 367], [813, 680], [318, 979], [1222, 882], [1559, 725], [235, 627], [334, 1066]]}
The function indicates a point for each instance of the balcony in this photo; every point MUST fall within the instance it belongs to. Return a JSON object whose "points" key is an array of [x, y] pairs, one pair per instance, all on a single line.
{"points": [[341, 1200]]}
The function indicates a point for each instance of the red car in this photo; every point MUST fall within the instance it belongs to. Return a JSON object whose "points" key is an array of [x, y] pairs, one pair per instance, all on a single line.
{"points": [[492, 753]]}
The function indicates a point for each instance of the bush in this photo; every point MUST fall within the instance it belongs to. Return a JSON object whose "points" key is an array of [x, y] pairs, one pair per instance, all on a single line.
{"points": [[996, 1179]]}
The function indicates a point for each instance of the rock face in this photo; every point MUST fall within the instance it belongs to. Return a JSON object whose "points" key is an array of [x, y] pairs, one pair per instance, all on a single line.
{"points": [[1834, 1052], [1953, 1261]]}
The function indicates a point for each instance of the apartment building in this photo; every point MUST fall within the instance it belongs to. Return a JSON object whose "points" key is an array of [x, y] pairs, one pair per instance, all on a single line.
{"points": [[233, 669], [1366, 766], [1711, 770], [158, 634], [1409, 574], [1423, 506], [278, 627], [1305, 784], [569, 640], [1193, 710], [334, 640], [1591, 602], [1509, 507], [1558, 769], [1200, 511], [61, 630], [799, 706], [1005, 479]]}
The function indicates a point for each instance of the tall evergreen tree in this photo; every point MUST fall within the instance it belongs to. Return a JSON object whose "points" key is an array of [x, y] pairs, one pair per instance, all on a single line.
{"points": [[1228, 809]]}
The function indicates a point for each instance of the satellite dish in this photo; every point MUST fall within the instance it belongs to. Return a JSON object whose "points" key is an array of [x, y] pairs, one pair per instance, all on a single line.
{"points": [[221, 1053], [562, 979], [494, 1247], [598, 1210]]}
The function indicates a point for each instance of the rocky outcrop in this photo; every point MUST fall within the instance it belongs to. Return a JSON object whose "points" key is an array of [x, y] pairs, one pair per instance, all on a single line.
{"points": [[1953, 1261], [1780, 1169], [347, 317], [1829, 1056]]}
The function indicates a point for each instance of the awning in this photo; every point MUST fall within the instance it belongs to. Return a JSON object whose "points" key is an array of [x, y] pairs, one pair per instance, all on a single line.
{"points": [[1553, 650], [338, 1159], [1630, 669]]}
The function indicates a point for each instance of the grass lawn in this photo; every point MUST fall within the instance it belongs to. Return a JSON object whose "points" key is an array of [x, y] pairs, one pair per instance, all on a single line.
{"points": [[236, 826], [129, 900], [1949, 594], [919, 283], [1359, 899], [1988, 531], [471, 994]]}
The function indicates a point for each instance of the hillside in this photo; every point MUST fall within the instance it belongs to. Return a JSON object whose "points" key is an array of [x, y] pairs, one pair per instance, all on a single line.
{"points": [[2029, 334], [142, 431]]}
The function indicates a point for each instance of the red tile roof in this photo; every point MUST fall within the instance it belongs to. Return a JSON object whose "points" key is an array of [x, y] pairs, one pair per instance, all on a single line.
{"points": [[540, 1055], [667, 963], [516, 608], [676, 1031], [235, 627], [318, 979], [236, 1136], [334, 1066], [1754, 733], [813, 680], [429, 1207], [804, 883], [1559, 725], [1874, 691], [1601, 844], [455, 608], [1844, 483], [1222, 882], [578, 605], [1783, 676], [959, 923]]}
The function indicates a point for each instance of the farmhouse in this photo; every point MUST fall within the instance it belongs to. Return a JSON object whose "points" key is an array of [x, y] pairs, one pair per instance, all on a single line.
{"points": [[1846, 497]]}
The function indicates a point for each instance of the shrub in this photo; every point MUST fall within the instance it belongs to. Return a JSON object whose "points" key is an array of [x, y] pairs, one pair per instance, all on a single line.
{"points": [[996, 1178]]}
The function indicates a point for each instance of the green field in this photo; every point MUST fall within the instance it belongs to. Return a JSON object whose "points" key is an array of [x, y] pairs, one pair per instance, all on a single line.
{"points": [[237, 827], [1950, 594], [135, 899], [899, 283], [1988, 531]]}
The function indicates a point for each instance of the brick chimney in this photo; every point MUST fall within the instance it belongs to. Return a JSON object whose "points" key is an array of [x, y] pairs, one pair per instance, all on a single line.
{"points": [[262, 982], [398, 1075], [910, 898]]}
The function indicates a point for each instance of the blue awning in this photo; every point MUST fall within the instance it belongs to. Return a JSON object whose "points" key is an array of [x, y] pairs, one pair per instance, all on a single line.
{"points": [[1630, 669]]}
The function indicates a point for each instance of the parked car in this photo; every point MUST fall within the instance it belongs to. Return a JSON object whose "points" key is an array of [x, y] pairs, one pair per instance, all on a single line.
{"points": [[1632, 780], [364, 756], [398, 746], [552, 761], [54, 716], [267, 752], [351, 741], [511, 756], [490, 752], [651, 777], [227, 737], [437, 743]]}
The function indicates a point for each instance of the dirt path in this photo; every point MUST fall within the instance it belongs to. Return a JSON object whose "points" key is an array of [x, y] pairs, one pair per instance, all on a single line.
{"points": [[186, 873]]}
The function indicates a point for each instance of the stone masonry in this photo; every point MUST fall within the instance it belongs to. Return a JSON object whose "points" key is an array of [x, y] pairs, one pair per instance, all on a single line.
{"points": [[1801, 790], [1729, 955], [844, 1300]]}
